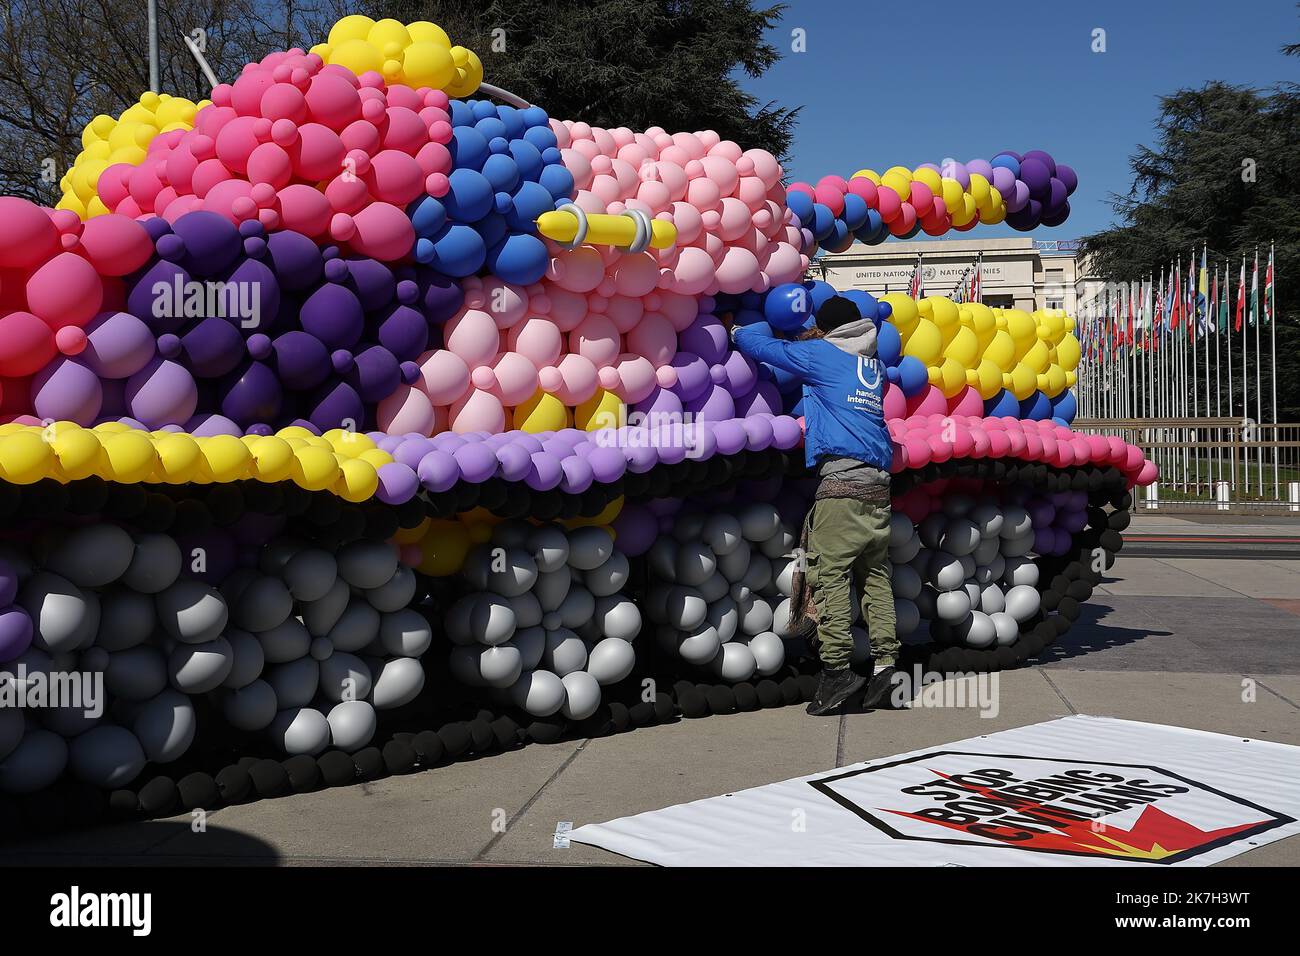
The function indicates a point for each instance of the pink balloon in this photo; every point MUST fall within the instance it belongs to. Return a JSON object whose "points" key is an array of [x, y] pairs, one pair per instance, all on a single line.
{"points": [[478, 411], [966, 402], [66, 290], [115, 245], [516, 378], [575, 380], [895, 402], [444, 376], [928, 401], [383, 232], [318, 154], [395, 177], [304, 209], [473, 337], [536, 338], [636, 378], [655, 338], [596, 339], [406, 410]]}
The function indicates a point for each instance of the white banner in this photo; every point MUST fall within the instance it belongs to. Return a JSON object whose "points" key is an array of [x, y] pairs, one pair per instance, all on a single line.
{"points": [[1079, 791]]}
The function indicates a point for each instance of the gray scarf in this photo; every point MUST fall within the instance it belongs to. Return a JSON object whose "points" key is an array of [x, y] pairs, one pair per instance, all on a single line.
{"points": [[856, 338]]}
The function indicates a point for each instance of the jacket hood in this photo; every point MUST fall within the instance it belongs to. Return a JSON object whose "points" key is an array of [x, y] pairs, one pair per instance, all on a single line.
{"points": [[856, 338]]}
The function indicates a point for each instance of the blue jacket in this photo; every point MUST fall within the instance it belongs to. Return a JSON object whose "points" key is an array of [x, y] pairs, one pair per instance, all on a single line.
{"points": [[843, 396]]}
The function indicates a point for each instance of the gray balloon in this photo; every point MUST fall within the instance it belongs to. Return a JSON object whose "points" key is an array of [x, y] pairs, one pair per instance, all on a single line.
{"points": [[250, 708], [248, 659], [357, 627], [367, 564], [589, 548], [694, 563], [759, 521], [512, 533], [58, 610], [759, 573], [662, 559], [300, 730], [137, 673], [107, 757], [344, 677], [755, 615], [265, 603], [405, 633], [165, 726], [528, 610], [322, 649], [294, 683], [322, 614], [734, 662], [722, 533], [126, 619], [69, 721], [89, 628], [500, 666], [699, 646], [235, 583], [287, 642], [611, 660], [93, 556], [190, 611], [11, 730], [396, 594], [610, 577], [685, 608], [397, 682], [578, 606], [277, 553], [481, 618], [715, 588], [310, 574], [617, 617], [35, 763], [959, 537], [724, 617], [512, 574], [352, 724], [531, 642], [549, 546], [735, 563], [581, 695], [199, 668], [779, 545], [769, 652], [155, 565], [552, 587]]}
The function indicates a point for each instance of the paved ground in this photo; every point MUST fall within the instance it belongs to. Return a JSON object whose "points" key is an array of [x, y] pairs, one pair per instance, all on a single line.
{"points": [[1206, 642]]}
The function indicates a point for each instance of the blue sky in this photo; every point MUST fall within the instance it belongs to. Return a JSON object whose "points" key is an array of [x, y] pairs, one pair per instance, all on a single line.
{"points": [[1011, 76]]}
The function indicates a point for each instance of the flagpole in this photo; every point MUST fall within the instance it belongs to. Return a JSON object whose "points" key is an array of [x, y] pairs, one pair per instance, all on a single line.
{"points": [[1245, 395], [1259, 407], [1270, 300]]}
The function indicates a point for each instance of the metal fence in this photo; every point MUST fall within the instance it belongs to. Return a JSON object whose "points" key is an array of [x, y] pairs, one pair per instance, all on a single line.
{"points": [[1213, 464]]}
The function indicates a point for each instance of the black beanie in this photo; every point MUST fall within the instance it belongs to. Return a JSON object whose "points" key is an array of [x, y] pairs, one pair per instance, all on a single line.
{"points": [[836, 311]]}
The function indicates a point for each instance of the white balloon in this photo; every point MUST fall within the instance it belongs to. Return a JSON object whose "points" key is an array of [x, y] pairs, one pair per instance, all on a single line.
{"points": [[781, 618], [190, 611], [783, 570], [734, 662], [987, 550], [58, 609], [992, 599], [715, 588], [565, 652], [352, 724], [611, 660], [694, 563], [769, 652], [405, 633], [540, 693], [735, 563], [779, 545], [397, 683], [1020, 571], [165, 726], [263, 604], [976, 630], [972, 591], [344, 677], [946, 572], [199, 668], [617, 617], [155, 565], [952, 606], [300, 730], [500, 666], [755, 615], [698, 646], [581, 695], [1006, 627], [1022, 601], [759, 574], [513, 573], [724, 617], [482, 617], [685, 608], [578, 606]]}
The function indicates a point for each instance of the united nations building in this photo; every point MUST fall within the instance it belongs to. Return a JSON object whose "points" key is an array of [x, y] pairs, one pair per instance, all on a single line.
{"points": [[1015, 272]]}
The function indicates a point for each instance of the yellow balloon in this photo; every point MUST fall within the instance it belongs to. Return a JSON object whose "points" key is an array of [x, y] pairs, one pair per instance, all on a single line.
{"points": [[413, 535], [1022, 381], [952, 194], [1020, 326], [951, 377], [929, 177], [870, 174], [179, 457], [905, 314], [925, 343], [315, 468], [1053, 381], [1068, 353], [602, 520], [355, 27], [469, 72], [1070, 379], [376, 458], [130, 455], [359, 56], [944, 314], [986, 378], [980, 320], [963, 348], [349, 444], [541, 413], [602, 410], [1037, 358], [980, 190], [78, 450], [444, 548], [389, 31], [964, 211], [272, 458], [900, 181], [25, 457], [225, 457], [422, 31], [427, 64], [357, 480]]}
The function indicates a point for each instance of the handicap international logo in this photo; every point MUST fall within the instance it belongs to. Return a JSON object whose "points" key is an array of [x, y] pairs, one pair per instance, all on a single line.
{"points": [[1048, 805], [868, 372]]}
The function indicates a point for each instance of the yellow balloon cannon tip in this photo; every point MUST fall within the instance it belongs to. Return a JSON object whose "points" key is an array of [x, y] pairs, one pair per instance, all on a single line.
{"points": [[632, 231], [341, 462]]}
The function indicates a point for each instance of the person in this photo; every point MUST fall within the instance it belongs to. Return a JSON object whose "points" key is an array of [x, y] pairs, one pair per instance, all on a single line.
{"points": [[847, 528]]}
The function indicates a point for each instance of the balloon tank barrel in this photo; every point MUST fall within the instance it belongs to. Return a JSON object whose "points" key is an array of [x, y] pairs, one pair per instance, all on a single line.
{"points": [[604, 230]]}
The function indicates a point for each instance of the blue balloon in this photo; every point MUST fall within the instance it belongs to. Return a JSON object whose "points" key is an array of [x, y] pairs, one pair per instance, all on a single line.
{"points": [[797, 408], [821, 291], [534, 116], [856, 211], [787, 306], [1061, 421], [541, 137], [519, 259], [470, 197], [823, 221], [528, 158], [801, 204], [913, 376], [1036, 407], [1010, 162], [462, 114], [468, 148], [889, 344], [884, 310], [428, 216], [502, 172], [529, 202], [458, 252], [482, 109], [748, 317], [840, 238], [1065, 406], [558, 181], [891, 373], [1002, 405]]}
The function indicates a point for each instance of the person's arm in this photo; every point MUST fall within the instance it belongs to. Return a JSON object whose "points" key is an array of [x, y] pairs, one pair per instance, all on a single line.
{"points": [[797, 358]]}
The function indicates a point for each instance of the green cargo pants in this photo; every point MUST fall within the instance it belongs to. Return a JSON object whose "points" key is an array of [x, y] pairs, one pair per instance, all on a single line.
{"points": [[848, 543]]}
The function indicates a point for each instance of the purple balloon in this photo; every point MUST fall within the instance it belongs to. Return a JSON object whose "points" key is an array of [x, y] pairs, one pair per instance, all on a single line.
{"points": [[635, 530], [763, 399], [333, 314], [477, 462], [15, 633], [545, 473], [730, 436], [661, 404], [607, 464], [157, 297], [8, 583], [640, 456], [213, 348], [397, 483], [404, 332], [1035, 174], [117, 345], [758, 432], [707, 338], [301, 360], [578, 475], [515, 461], [692, 375], [715, 405], [204, 425], [296, 260], [211, 242], [438, 471], [252, 395], [786, 432], [1039, 156], [161, 393], [1068, 176], [336, 405], [65, 390]]}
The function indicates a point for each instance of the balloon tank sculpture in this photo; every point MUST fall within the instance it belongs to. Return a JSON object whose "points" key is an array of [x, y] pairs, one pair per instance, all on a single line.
{"points": [[354, 423]]}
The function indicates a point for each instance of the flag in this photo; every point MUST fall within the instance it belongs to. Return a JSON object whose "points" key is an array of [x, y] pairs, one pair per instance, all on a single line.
{"points": [[977, 283], [1130, 317], [1241, 296], [1202, 296], [1254, 293], [916, 287], [1224, 300], [1268, 289]]}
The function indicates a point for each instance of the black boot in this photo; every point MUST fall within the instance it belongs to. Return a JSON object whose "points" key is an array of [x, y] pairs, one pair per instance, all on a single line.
{"points": [[834, 687], [880, 690]]}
